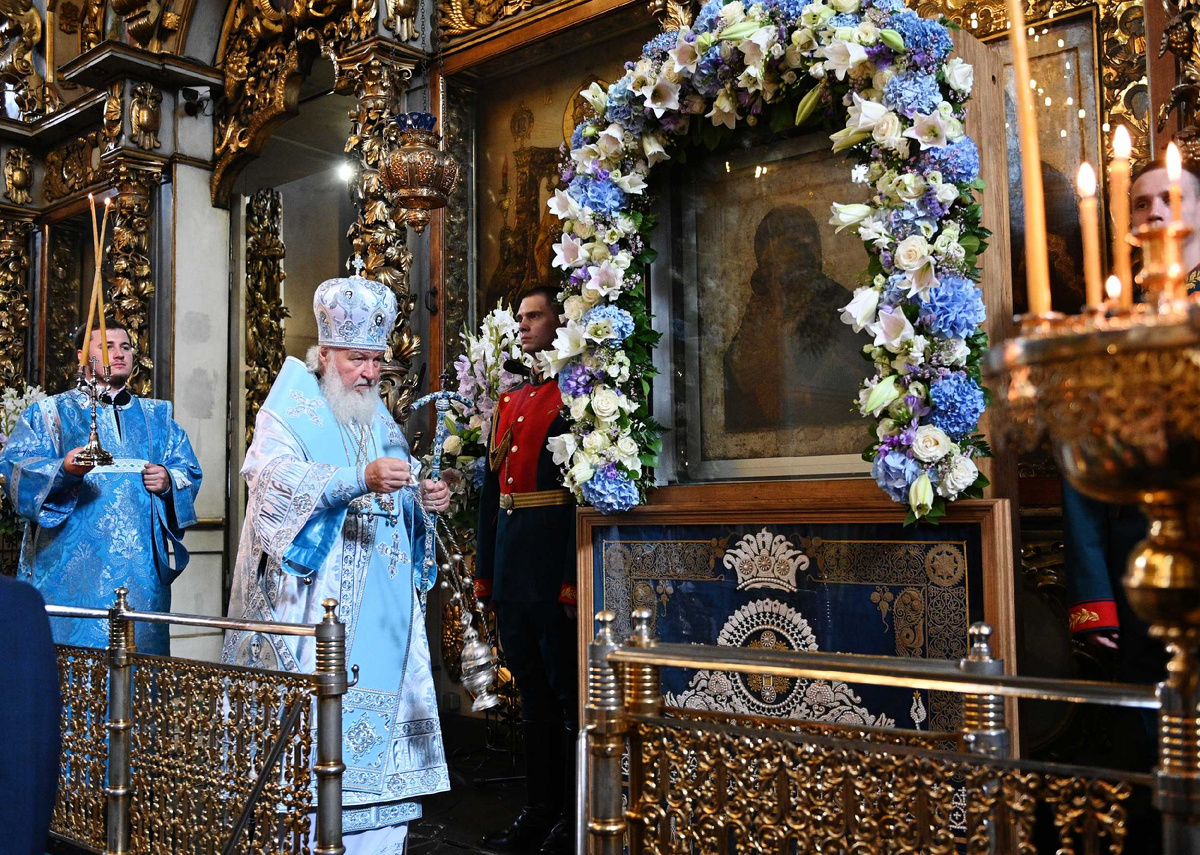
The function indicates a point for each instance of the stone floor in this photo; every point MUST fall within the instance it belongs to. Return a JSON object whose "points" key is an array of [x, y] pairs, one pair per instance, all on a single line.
{"points": [[482, 797]]}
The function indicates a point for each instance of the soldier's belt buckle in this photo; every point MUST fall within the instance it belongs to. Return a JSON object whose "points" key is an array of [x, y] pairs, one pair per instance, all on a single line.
{"points": [[506, 501]]}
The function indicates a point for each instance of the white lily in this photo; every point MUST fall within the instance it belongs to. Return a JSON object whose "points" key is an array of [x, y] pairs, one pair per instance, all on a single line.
{"points": [[928, 131], [563, 206], [568, 253], [842, 56], [662, 95]]}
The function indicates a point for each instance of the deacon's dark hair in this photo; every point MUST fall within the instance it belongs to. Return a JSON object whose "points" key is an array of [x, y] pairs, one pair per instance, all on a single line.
{"points": [[109, 323], [1161, 163], [551, 295]]}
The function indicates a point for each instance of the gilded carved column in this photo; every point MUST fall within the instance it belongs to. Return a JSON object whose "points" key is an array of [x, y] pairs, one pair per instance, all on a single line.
{"points": [[131, 278], [14, 300], [379, 80], [264, 299]]}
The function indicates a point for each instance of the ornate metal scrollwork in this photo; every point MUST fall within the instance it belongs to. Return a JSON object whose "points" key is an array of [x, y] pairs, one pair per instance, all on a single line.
{"points": [[1181, 36], [65, 280], [73, 166], [114, 116], [145, 116], [264, 299], [375, 235], [18, 175], [673, 14], [457, 119], [266, 53], [20, 34], [129, 259], [14, 300], [462, 17], [1121, 37]]}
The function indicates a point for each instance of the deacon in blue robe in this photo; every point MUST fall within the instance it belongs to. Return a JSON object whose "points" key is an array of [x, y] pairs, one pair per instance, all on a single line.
{"points": [[113, 526], [319, 525]]}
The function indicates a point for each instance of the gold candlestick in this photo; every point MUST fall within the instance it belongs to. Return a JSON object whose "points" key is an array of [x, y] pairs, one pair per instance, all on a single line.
{"points": [[1119, 203], [1090, 225], [1037, 265]]}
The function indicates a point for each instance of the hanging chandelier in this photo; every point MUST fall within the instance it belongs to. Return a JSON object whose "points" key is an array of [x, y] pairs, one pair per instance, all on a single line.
{"points": [[418, 174]]}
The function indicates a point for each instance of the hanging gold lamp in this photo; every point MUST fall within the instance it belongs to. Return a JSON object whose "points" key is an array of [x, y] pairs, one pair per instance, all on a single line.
{"points": [[418, 174]]}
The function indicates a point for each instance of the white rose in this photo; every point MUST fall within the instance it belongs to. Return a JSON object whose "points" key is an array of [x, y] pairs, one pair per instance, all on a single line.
{"points": [[845, 5], [959, 475], [910, 187], [887, 427], [627, 447], [866, 33], [595, 442], [960, 76], [574, 307], [911, 253], [888, 131], [605, 403], [930, 444], [453, 445], [579, 408]]}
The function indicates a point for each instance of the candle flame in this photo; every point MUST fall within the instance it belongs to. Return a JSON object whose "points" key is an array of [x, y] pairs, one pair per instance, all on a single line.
{"points": [[1087, 180], [1122, 144], [1113, 287], [1174, 163]]}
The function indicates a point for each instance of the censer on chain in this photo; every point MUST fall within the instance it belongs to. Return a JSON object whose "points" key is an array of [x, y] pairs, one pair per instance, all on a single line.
{"points": [[418, 174], [478, 658]]}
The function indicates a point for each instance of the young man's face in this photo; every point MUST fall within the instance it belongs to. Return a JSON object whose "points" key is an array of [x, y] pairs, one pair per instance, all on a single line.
{"points": [[120, 355], [538, 323], [1151, 202]]}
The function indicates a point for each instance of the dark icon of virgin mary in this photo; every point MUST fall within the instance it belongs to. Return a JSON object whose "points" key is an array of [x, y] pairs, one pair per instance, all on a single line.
{"points": [[792, 362]]}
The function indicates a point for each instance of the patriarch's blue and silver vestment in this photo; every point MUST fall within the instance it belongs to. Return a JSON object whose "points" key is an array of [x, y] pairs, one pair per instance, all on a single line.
{"points": [[312, 531], [88, 536]]}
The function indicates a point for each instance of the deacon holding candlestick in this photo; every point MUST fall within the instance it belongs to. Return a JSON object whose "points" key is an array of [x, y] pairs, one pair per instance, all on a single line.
{"points": [[94, 528]]}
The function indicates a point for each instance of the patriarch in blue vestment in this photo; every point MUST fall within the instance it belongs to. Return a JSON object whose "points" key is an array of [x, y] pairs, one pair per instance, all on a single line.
{"points": [[335, 511], [91, 530]]}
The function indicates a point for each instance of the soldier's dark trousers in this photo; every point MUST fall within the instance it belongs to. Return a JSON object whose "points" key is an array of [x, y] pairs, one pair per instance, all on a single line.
{"points": [[540, 650]]}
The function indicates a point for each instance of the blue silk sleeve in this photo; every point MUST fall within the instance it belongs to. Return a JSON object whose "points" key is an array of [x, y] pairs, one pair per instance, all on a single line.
{"points": [[39, 488]]}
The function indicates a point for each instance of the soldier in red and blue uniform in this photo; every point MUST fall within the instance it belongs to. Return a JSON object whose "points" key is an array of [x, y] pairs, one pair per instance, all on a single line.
{"points": [[525, 567]]}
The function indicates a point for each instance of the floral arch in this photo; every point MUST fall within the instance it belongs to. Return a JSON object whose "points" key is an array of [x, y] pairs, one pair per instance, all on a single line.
{"points": [[884, 77]]}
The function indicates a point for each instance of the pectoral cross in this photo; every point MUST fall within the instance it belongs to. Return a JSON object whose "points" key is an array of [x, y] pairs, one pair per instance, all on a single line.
{"points": [[441, 401]]}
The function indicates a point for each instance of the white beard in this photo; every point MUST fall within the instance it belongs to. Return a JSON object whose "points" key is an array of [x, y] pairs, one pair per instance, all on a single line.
{"points": [[350, 406]]}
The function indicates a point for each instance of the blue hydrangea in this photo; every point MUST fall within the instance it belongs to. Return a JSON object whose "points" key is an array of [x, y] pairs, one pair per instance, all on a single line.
{"points": [[912, 92], [610, 491], [926, 42], [886, 5], [895, 291], [576, 380], [958, 162], [621, 320], [894, 472], [707, 79], [599, 194], [845, 19], [708, 16], [658, 46], [577, 139], [954, 308], [906, 221], [787, 11], [625, 107], [957, 404]]}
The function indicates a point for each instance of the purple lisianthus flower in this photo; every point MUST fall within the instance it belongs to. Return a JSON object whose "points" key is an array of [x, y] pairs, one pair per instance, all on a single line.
{"points": [[957, 404], [576, 380], [912, 92], [954, 307], [610, 491], [926, 41], [894, 472], [958, 162]]}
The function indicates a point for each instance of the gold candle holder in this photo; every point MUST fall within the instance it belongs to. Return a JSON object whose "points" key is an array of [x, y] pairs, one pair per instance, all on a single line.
{"points": [[1162, 275]]}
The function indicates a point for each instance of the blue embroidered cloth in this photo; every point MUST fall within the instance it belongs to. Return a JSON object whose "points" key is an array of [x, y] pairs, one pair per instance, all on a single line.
{"points": [[88, 536], [314, 531]]}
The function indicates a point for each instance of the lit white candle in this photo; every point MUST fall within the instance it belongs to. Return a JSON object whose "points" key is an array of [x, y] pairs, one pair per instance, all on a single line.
{"points": [[1090, 225], [1119, 202], [1115, 290], [1174, 174]]}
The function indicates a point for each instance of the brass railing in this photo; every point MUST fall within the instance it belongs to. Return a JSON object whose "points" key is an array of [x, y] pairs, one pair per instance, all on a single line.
{"points": [[663, 780], [172, 755]]}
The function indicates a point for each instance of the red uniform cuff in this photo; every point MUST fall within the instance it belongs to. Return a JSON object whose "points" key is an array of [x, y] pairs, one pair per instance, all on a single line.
{"points": [[568, 595], [1093, 615], [483, 588]]}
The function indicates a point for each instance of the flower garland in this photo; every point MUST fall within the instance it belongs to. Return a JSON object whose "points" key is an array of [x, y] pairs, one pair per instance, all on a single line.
{"points": [[885, 74], [12, 404], [482, 378]]}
